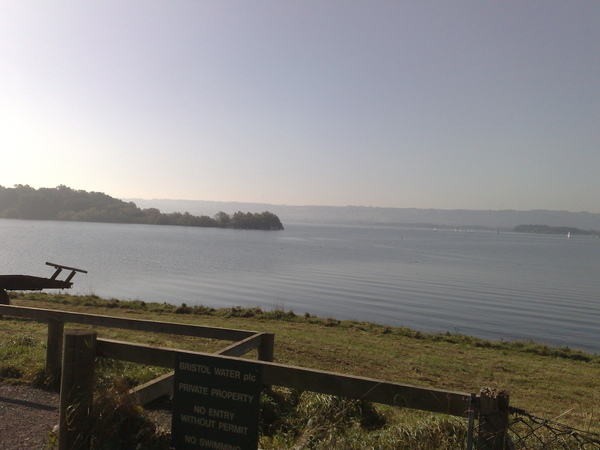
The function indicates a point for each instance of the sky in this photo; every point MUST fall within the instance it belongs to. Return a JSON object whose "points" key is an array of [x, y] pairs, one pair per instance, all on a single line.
{"points": [[409, 104]]}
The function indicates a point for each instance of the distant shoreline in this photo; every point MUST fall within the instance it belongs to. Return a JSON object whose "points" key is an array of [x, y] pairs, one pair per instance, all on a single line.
{"points": [[504, 220], [545, 229]]}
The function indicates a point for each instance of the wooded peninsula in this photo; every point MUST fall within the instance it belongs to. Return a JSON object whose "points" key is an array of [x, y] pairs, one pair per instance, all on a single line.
{"points": [[64, 203]]}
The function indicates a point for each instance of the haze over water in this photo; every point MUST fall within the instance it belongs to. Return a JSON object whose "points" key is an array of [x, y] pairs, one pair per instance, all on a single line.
{"points": [[498, 286]]}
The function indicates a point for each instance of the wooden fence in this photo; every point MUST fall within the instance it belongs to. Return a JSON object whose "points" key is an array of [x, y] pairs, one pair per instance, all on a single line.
{"points": [[245, 340], [490, 406]]}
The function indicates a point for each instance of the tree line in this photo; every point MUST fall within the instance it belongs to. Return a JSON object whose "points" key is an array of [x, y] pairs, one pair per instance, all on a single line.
{"points": [[64, 203]]}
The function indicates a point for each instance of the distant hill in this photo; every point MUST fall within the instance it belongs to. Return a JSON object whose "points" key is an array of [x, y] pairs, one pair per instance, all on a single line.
{"points": [[493, 219], [64, 203]]}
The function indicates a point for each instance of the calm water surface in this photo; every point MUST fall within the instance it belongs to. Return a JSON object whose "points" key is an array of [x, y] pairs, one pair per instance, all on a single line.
{"points": [[498, 286]]}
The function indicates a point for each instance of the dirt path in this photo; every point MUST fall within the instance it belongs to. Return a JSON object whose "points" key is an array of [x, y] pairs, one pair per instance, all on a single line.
{"points": [[27, 415]]}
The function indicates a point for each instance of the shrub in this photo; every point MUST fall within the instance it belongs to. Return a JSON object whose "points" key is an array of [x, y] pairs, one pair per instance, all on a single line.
{"points": [[290, 418], [117, 422], [183, 309]]}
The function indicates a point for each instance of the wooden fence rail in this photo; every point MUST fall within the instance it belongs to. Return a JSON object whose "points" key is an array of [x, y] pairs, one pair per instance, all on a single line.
{"points": [[225, 334], [395, 394], [57, 319]]}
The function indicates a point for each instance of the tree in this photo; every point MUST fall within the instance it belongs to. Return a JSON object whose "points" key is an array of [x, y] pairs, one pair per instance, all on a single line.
{"points": [[223, 220]]}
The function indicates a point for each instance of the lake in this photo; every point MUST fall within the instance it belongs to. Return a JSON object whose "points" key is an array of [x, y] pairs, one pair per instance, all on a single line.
{"points": [[495, 286]]}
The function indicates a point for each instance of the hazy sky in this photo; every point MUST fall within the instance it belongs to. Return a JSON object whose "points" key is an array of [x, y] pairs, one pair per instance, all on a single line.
{"points": [[426, 104]]}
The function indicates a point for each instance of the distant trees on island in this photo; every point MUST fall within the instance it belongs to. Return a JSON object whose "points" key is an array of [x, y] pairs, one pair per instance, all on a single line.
{"points": [[546, 229], [64, 203]]}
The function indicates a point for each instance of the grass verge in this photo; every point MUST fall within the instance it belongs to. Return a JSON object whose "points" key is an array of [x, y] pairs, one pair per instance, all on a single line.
{"points": [[555, 383]]}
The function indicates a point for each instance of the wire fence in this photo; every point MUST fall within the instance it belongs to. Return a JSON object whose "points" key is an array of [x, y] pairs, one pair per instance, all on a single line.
{"points": [[520, 430], [527, 431]]}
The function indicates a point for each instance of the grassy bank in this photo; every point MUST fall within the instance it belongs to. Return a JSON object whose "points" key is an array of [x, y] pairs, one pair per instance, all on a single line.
{"points": [[555, 383]]}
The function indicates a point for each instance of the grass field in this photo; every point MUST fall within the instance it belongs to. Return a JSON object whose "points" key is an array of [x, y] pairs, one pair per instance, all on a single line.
{"points": [[559, 384]]}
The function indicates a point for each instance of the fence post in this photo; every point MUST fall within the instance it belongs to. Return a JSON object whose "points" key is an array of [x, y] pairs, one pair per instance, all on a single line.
{"points": [[76, 389], [471, 426], [54, 345], [493, 419], [4, 300], [266, 351]]}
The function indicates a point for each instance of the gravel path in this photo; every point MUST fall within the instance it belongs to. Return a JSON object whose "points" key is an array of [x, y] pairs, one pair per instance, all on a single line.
{"points": [[27, 415]]}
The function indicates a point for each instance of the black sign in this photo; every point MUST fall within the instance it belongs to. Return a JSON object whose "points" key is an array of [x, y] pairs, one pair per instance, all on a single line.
{"points": [[216, 403]]}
